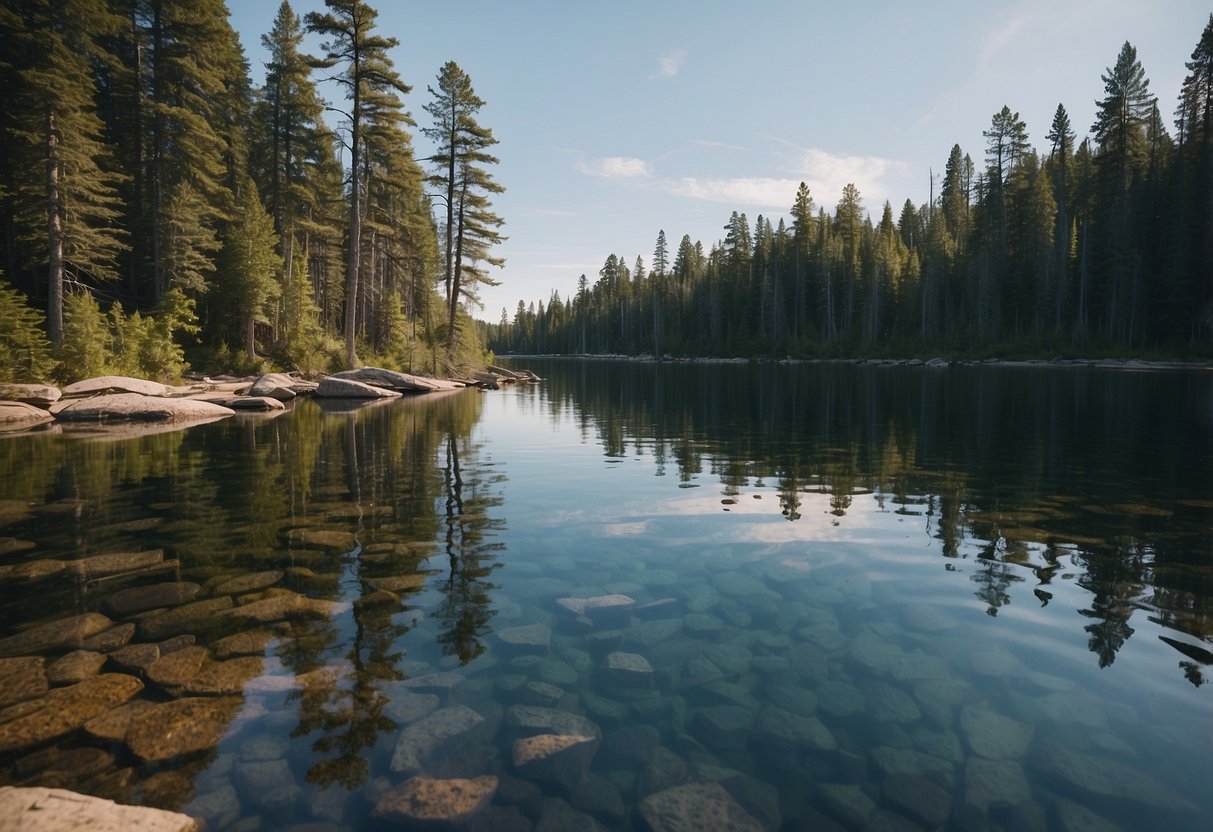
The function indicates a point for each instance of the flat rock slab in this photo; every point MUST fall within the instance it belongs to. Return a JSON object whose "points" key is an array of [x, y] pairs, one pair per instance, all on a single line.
{"points": [[602, 610], [75, 667], [561, 759], [20, 415], [117, 563], [63, 710], [42, 395], [992, 735], [141, 598], [530, 638], [21, 679], [115, 384], [251, 582], [38, 809], [189, 618], [278, 386], [342, 388], [132, 407], [422, 800], [392, 380], [696, 807], [55, 635], [406, 707], [181, 727]]}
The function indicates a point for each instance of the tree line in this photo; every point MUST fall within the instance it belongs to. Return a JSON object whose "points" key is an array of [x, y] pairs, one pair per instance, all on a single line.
{"points": [[1100, 245], [159, 209]]}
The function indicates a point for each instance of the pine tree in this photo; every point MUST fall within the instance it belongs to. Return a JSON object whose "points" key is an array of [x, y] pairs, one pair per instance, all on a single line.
{"points": [[367, 69], [63, 159], [460, 160], [248, 266], [25, 354]]}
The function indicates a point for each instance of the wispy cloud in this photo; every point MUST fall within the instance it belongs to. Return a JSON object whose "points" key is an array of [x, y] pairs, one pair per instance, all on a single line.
{"points": [[670, 64], [549, 212], [615, 167], [759, 191]]}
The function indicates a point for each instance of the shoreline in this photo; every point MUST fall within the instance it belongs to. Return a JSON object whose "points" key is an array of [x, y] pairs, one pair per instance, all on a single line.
{"points": [[933, 363]]}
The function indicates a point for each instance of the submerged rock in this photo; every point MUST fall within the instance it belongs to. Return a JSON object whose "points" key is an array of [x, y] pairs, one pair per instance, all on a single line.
{"points": [[74, 667], [696, 807], [528, 720], [992, 735], [250, 582], [531, 638], [140, 598], [1105, 777], [55, 635], [439, 732], [181, 727], [22, 679], [65, 709], [423, 800], [119, 563], [194, 617], [556, 758]]}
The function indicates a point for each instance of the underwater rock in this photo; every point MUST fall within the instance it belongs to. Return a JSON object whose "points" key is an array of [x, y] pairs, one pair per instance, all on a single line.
{"points": [[74, 667], [134, 658], [889, 704], [55, 635], [889, 761], [38, 809], [247, 643], [1105, 777], [113, 724], [226, 677], [791, 732], [440, 732], [250, 582], [177, 668], [555, 758], [531, 638], [696, 807], [626, 670], [423, 800], [664, 770], [848, 803], [181, 727], [992, 735], [528, 720], [22, 679], [1001, 781], [540, 694], [702, 625], [139, 598], [919, 798], [111, 639], [598, 796], [439, 683], [194, 617], [405, 706], [398, 583], [1074, 817], [605, 611], [63, 710], [725, 727]]}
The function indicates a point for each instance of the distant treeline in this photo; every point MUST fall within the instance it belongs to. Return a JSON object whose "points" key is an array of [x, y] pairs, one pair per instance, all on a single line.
{"points": [[154, 200], [1101, 245]]}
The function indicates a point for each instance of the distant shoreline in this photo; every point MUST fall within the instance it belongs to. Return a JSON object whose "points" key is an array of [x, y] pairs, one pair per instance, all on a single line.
{"points": [[933, 363]]}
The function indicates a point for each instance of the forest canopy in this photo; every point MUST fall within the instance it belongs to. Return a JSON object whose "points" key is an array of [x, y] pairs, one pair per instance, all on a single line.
{"points": [[162, 212]]}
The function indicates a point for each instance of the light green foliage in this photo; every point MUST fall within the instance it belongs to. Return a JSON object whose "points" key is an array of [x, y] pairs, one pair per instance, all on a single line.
{"points": [[25, 353], [247, 268], [86, 349]]}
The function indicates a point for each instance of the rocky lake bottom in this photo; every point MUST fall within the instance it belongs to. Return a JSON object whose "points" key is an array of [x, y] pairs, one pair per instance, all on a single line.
{"points": [[495, 612]]}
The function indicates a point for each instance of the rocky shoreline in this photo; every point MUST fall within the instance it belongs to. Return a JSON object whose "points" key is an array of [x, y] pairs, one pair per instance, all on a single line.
{"points": [[110, 400]]}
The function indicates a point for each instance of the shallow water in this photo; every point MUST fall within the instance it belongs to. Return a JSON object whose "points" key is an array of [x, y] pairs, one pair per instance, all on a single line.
{"points": [[877, 597]]}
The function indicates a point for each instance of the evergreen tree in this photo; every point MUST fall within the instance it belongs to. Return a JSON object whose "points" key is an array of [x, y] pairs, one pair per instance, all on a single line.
{"points": [[248, 266], [25, 354], [63, 158], [460, 160], [366, 69]]}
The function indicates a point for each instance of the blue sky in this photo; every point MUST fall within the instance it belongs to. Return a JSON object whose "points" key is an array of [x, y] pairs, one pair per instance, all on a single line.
{"points": [[619, 119]]}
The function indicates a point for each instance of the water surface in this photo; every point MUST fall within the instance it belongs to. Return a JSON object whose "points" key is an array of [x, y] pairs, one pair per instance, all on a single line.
{"points": [[877, 597]]}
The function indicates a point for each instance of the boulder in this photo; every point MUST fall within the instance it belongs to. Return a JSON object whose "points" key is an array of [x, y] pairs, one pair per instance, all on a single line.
{"points": [[341, 388], [20, 415], [38, 809], [696, 807], [65, 709], [55, 635], [424, 801], [132, 407], [392, 380], [602, 610], [39, 395], [75, 667], [102, 385], [277, 386], [530, 638], [556, 758], [180, 727], [442, 731], [260, 404]]}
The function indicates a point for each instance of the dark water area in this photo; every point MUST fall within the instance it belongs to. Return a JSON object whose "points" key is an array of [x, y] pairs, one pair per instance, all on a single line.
{"points": [[632, 596]]}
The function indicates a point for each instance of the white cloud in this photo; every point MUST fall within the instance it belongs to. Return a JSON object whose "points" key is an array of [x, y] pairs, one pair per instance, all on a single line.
{"points": [[670, 64], [615, 167], [762, 191]]}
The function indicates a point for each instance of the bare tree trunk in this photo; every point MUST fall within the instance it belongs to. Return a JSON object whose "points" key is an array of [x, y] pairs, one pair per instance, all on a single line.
{"points": [[54, 233]]}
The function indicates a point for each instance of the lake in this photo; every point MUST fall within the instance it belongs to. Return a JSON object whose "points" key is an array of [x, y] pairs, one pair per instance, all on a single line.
{"points": [[746, 596]]}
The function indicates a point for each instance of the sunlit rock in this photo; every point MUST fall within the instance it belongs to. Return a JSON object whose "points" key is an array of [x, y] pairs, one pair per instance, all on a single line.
{"points": [[696, 807], [21, 415], [74, 667], [427, 801], [626, 670], [111, 639], [247, 643], [340, 388], [139, 598], [174, 670], [225, 678], [279, 386], [559, 759], [134, 658], [22, 679], [603, 610], [62, 634], [114, 384], [181, 727], [39, 395], [113, 724], [133, 407], [442, 731], [65, 709], [38, 809]]}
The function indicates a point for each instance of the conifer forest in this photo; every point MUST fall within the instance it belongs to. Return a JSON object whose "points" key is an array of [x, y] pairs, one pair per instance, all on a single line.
{"points": [[161, 213], [1098, 246]]}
